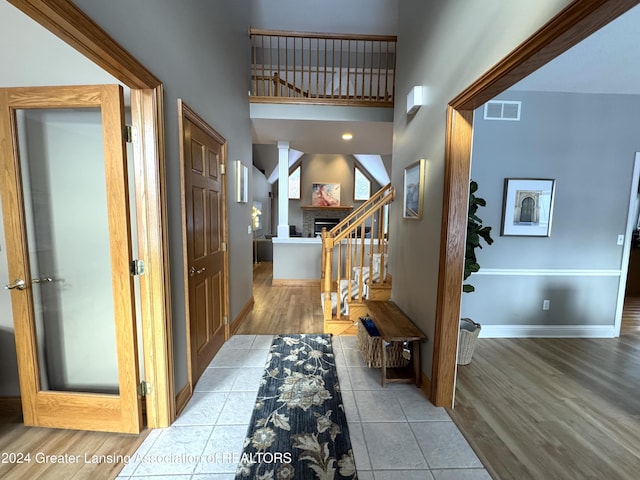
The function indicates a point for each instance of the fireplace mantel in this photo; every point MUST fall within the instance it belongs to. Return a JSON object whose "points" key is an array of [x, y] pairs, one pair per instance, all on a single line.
{"points": [[317, 207]]}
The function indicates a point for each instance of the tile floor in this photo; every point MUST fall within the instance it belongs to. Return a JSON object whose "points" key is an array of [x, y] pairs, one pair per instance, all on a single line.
{"points": [[395, 432]]}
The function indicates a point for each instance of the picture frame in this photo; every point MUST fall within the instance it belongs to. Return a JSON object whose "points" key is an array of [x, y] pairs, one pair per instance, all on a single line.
{"points": [[527, 209], [242, 183], [413, 192], [325, 195]]}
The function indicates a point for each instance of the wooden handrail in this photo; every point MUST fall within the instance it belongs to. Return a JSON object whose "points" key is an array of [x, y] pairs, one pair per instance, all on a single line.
{"points": [[319, 35], [281, 81], [365, 206], [351, 234]]}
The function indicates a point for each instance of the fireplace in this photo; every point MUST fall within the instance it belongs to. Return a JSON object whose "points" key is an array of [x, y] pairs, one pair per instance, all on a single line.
{"points": [[320, 223], [312, 214]]}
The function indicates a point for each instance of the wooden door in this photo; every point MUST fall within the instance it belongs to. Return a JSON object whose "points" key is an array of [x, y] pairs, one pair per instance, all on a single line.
{"points": [[204, 189], [66, 216]]}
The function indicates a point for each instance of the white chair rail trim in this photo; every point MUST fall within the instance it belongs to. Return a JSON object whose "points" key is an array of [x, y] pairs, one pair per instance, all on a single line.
{"points": [[547, 272]]}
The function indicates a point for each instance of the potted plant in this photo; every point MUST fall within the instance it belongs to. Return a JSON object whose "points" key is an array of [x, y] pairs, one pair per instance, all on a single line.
{"points": [[476, 232]]}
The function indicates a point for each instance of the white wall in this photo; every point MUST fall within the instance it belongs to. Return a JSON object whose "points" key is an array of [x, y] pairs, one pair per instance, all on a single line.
{"points": [[444, 46]]}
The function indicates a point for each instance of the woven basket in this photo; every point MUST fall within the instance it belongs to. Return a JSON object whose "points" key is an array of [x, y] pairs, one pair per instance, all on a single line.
{"points": [[467, 339], [370, 349]]}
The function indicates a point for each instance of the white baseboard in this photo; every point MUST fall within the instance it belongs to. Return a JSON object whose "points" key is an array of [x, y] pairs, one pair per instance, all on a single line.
{"points": [[547, 331]]}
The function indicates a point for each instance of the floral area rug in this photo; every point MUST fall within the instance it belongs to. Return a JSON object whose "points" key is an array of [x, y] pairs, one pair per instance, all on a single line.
{"points": [[298, 429]]}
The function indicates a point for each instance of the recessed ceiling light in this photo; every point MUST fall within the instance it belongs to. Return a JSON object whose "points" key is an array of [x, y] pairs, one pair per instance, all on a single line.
{"points": [[347, 136]]}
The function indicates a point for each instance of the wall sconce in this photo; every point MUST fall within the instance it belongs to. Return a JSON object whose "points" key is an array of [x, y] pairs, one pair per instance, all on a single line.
{"points": [[415, 99]]}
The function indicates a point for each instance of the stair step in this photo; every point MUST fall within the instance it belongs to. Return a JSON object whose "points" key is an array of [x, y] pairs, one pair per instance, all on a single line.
{"points": [[340, 327], [379, 291]]}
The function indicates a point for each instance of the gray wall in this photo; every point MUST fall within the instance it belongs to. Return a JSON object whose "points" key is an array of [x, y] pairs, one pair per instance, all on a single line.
{"points": [[444, 46], [200, 51], [326, 168], [587, 143]]}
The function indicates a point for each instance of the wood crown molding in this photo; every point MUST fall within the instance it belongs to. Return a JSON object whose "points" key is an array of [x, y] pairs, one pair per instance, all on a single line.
{"points": [[570, 26], [67, 21]]}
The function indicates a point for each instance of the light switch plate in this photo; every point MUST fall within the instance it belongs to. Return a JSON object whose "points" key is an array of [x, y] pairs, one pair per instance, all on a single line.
{"points": [[620, 240]]}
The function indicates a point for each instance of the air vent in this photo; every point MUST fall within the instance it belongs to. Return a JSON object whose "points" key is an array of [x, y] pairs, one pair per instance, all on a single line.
{"points": [[502, 110]]}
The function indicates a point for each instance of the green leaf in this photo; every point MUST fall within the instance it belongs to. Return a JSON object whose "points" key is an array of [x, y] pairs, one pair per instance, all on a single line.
{"points": [[476, 232]]}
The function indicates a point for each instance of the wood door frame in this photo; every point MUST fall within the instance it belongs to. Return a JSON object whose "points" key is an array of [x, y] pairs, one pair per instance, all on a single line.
{"points": [[573, 24], [69, 23], [570, 26], [42, 407], [186, 112]]}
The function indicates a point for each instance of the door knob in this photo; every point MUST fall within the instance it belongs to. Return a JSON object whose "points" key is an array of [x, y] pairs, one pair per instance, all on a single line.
{"points": [[193, 271], [18, 284], [42, 280]]}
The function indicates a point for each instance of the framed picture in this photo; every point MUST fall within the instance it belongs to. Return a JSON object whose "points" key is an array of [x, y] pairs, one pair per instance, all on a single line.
{"points": [[242, 187], [527, 207], [325, 195], [413, 190]]}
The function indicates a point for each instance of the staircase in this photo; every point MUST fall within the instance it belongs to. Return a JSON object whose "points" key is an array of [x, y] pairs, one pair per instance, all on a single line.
{"points": [[354, 263]]}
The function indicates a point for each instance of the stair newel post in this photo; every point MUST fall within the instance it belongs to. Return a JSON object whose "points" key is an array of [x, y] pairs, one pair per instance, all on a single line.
{"points": [[327, 250], [349, 267], [360, 278], [339, 275], [372, 244]]}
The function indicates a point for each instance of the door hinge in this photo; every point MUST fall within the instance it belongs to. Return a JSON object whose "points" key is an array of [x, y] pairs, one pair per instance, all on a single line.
{"points": [[223, 169], [223, 246], [136, 267], [130, 134], [225, 320], [144, 389]]}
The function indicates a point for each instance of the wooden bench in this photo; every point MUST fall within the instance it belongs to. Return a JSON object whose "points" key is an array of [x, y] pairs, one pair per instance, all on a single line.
{"points": [[395, 326]]}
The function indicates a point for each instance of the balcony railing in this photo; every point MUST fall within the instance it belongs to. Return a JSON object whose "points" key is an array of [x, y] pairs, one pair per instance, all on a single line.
{"points": [[292, 67]]}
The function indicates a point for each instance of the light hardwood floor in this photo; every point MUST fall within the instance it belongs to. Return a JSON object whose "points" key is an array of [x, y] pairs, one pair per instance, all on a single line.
{"points": [[282, 309], [555, 408], [531, 408], [66, 447]]}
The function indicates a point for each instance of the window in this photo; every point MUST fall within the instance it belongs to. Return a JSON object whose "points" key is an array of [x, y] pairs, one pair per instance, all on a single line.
{"points": [[362, 186], [294, 184]]}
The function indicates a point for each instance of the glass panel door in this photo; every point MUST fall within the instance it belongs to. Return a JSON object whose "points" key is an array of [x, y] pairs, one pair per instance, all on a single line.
{"points": [[67, 226], [64, 190]]}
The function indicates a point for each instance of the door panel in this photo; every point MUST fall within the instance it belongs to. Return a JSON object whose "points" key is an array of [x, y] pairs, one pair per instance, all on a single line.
{"points": [[65, 208], [203, 155]]}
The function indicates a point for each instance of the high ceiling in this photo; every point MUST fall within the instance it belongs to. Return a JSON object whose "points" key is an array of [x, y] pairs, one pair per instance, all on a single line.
{"points": [[606, 62]]}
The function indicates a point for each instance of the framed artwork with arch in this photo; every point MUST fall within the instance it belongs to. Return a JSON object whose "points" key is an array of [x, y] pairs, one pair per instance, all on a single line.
{"points": [[527, 207]]}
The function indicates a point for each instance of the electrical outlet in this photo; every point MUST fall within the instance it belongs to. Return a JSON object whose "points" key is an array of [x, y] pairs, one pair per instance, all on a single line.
{"points": [[249, 229], [546, 304]]}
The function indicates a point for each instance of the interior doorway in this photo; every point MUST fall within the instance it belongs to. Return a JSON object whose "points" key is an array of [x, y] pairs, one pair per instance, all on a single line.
{"points": [[67, 226], [204, 159]]}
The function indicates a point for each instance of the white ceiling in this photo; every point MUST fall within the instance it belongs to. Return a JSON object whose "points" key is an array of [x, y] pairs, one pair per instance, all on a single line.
{"points": [[314, 136]]}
